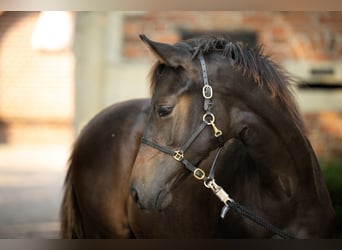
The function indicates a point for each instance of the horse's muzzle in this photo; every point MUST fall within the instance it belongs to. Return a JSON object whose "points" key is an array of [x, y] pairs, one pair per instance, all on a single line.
{"points": [[153, 201]]}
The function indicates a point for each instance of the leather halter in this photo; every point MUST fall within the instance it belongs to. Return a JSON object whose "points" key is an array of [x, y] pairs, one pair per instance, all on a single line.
{"points": [[208, 119]]}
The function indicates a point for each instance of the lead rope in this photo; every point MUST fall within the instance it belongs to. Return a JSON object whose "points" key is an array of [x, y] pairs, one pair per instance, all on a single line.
{"points": [[209, 182]]}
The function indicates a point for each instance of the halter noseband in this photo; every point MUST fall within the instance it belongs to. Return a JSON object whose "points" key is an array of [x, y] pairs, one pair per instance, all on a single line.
{"points": [[208, 119]]}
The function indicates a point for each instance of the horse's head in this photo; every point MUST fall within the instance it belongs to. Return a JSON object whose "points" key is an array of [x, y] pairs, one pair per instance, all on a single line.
{"points": [[176, 121], [204, 92]]}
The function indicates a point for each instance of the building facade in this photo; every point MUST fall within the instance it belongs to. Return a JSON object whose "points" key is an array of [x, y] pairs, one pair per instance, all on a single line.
{"points": [[107, 63]]}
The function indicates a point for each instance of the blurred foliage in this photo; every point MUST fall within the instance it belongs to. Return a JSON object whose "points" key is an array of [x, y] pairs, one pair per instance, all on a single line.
{"points": [[332, 172]]}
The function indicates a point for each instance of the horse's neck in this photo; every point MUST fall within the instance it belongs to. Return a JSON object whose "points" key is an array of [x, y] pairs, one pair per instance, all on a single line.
{"points": [[277, 159]]}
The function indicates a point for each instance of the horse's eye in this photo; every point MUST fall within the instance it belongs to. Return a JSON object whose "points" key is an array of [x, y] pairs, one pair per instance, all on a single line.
{"points": [[164, 110]]}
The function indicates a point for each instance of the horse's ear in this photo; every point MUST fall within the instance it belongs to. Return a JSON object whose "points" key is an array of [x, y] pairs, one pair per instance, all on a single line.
{"points": [[171, 55]]}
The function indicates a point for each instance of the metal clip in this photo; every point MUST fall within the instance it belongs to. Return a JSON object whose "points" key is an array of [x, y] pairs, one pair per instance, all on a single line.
{"points": [[221, 194], [217, 132], [209, 119], [218, 191]]}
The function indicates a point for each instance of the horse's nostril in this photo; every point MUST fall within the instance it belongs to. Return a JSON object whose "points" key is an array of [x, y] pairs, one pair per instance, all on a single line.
{"points": [[134, 194]]}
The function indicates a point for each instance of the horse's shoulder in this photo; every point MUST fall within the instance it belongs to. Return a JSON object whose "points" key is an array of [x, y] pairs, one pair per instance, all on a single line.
{"points": [[110, 127]]}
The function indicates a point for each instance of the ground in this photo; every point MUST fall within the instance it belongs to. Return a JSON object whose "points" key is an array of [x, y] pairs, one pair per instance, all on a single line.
{"points": [[31, 184]]}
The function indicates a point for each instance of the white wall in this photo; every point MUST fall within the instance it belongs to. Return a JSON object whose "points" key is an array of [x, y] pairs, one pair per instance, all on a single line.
{"points": [[102, 76]]}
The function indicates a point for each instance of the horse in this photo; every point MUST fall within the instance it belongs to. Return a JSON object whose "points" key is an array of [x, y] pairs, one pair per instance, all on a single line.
{"points": [[221, 128]]}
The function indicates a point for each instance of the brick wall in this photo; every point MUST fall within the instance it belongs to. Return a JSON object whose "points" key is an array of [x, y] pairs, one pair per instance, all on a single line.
{"points": [[285, 35], [36, 87]]}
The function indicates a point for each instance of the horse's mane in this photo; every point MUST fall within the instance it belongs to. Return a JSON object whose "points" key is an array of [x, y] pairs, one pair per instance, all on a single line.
{"points": [[251, 62]]}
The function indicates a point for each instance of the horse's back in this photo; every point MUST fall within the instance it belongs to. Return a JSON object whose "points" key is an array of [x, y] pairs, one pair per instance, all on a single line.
{"points": [[96, 187]]}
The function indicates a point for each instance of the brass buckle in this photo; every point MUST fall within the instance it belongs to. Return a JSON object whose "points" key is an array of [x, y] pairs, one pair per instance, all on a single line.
{"points": [[199, 174], [178, 155]]}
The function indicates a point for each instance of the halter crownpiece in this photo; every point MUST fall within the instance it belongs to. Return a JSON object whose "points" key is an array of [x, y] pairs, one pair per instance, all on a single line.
{"points": [[207, 90]]}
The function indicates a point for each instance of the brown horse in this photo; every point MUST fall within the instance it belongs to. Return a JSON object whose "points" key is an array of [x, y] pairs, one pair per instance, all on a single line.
{"points": [[219, 113]]}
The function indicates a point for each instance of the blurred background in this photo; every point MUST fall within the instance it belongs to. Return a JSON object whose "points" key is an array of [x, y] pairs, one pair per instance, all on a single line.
{"points": [[58, 69]]}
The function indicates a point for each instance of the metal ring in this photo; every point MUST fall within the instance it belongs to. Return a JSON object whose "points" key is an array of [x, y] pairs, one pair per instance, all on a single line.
{"points": [[207, 183], [207, 115]]}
